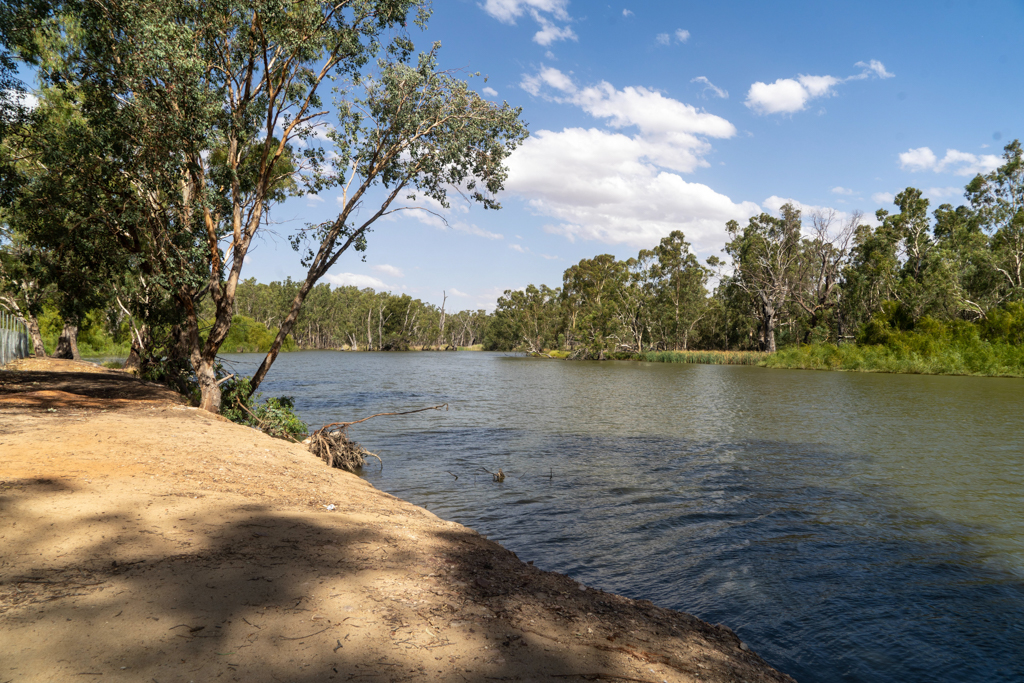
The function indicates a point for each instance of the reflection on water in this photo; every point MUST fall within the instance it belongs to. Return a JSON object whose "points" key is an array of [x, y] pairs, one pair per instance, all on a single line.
{"points": [[850, 527]]}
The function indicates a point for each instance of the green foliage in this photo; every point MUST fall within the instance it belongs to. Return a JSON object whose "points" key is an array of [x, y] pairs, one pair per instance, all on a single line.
{"points": [[249, 336], [275, 416], [989, 348], [94, 339]]}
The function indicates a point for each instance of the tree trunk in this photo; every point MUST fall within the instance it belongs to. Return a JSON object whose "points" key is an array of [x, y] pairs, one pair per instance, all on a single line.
{"points": [[208, 387], [133, 364], [36, 336], [67, 345]]}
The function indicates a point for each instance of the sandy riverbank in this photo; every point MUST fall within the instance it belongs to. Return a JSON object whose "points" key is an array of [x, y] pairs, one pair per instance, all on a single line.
{"points": [[142, 540]]}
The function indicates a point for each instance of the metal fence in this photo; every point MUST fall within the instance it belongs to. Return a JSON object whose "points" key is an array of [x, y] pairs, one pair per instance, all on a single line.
{"points": [[13, 338]]}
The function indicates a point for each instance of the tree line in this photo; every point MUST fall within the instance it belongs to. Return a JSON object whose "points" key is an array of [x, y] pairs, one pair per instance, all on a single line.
{"points": [[790, 279], [360, 319]]}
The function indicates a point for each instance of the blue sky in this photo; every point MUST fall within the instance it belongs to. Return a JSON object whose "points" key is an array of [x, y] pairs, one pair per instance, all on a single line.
{"points": [[654, 116]]}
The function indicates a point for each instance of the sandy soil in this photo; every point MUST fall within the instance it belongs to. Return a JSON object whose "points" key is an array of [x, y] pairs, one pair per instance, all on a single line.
{"points": [[142, 540]]}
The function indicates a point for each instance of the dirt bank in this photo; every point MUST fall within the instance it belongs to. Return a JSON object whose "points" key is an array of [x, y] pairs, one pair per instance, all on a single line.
{"points": [[142, 540]]}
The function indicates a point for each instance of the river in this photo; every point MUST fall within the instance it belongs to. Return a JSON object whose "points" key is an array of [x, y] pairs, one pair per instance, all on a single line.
{"points": [[848, 526]]}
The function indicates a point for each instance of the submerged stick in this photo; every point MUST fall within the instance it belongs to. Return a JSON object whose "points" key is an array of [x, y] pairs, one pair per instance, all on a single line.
{"points": [[407, 412]]}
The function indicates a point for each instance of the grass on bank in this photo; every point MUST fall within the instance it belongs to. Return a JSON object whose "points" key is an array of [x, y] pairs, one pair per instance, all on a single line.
{"points": [[982, 358], [703, 357]]}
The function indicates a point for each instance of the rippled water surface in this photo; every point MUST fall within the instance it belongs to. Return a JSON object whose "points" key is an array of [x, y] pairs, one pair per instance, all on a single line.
{"points": [[850, 527]]}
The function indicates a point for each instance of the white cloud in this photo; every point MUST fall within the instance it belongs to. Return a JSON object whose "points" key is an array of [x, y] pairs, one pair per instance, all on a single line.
{"points": [[507, 11], [883, 197], [456, 292], [490, 92], [389, 270], [605, 186], [919, 159], [613, 186], [627, 13], [517, 247], [790, 95], [680, 35], [430, 212], [872, 67], [356, 280], [313, 199], [955, 161], [842, 190], [774, 203], [708, 85], [25, 99], [670, 130], [547, 76], [940, 193], [472, 229]]}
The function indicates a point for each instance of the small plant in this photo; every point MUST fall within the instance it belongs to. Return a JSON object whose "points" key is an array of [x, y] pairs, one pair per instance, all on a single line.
{"points": [[275, 416]]}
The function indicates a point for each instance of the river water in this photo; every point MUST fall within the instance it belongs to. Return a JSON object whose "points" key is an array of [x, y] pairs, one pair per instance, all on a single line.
{"points": [[849, 527]]}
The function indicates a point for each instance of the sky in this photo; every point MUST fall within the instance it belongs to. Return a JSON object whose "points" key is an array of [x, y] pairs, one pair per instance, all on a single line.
{"points": [[657, 116]]}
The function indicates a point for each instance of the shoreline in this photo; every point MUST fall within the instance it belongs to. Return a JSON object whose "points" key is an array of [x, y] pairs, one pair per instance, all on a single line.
{"points": [[147, 540]]}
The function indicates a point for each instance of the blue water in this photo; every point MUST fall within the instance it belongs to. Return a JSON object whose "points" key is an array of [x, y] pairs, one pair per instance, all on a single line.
{"points": [[850, 527]]}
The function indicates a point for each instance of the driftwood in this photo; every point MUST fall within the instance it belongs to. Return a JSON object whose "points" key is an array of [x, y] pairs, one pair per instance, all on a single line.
{"points": [[332, 444]]}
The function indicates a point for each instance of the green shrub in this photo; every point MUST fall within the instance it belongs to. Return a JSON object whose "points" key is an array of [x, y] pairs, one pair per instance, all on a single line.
{"points": [[275, 416]]}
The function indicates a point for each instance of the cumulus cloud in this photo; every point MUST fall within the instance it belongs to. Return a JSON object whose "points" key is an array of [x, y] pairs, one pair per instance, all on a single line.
{"points": [[312, 199], [883, 197], [670, 131], [955, 161], [708, 85], [790, 95], [389, 270], [356, 280], [541, 11], [603, 186], [842, 190], [682, 35], [456, 292], [615, 185], [627, 13], [490, 92], [517, 247]]}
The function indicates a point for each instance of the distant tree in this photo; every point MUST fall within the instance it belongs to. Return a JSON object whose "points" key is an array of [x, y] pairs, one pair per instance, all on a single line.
{"points": [[818, 277], [764, 255], [678, 280], [998, 198], [591, 296]]}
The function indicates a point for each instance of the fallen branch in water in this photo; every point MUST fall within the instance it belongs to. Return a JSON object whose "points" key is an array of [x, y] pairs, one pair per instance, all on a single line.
{"points": [[343, 425], [332, 444]]}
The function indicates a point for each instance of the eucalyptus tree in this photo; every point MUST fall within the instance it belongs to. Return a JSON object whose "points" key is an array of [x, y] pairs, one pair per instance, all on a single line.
{"points": [[413, 131], [817, 283], [525, 319], [764, 255], [195, 110], [679, 281], [592, 295], [998, 197]]}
